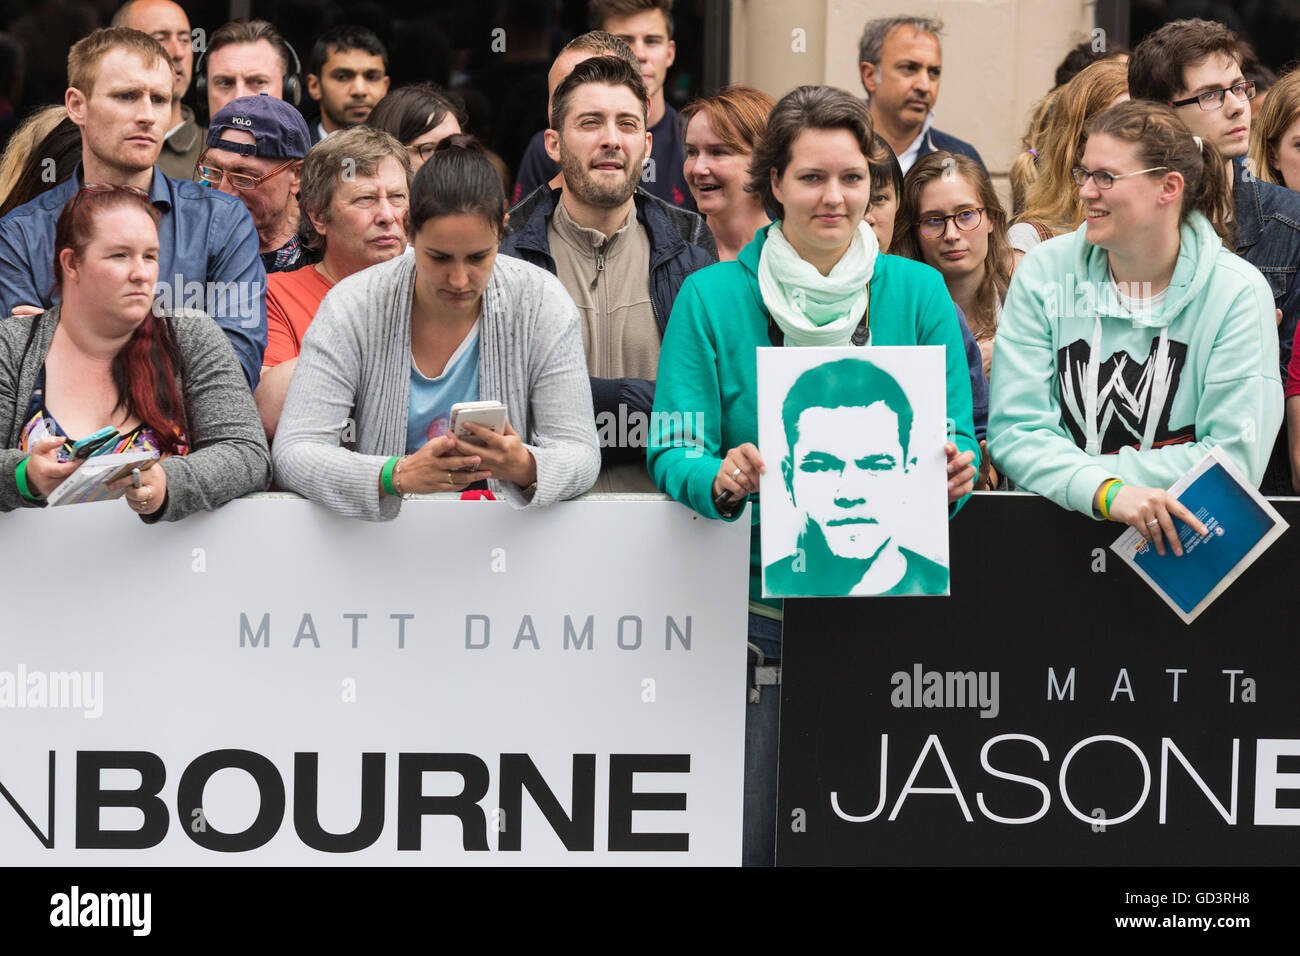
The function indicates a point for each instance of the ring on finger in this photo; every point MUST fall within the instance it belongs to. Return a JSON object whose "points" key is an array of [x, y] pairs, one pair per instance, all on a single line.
{"points": [[1153, 521], [735, 474]]}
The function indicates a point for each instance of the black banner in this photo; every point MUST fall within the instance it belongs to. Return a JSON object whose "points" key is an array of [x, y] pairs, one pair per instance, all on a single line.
{"points": [[1052, 711]]}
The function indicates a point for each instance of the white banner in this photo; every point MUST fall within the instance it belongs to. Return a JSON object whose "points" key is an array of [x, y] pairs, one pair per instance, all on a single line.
{"points": [[468, 684]]}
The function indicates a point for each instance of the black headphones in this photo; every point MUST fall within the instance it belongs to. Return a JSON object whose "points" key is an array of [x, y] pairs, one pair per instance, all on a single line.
{"points": [[292, 86]]}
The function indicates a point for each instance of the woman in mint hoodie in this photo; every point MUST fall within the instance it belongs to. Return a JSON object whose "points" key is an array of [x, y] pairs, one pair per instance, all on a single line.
{"points": [[1132, 345], [814, 277]]}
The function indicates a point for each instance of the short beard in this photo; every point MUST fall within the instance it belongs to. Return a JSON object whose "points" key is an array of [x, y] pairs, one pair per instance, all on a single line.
{"points": [[578, 180]]}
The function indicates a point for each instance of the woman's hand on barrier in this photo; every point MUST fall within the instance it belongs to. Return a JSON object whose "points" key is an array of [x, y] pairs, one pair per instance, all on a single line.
{"points": [[505, 456], [151, 495], [437, 466], [1152, 511], [44, 470], [988, 479], [738, 474], [961, 472]]}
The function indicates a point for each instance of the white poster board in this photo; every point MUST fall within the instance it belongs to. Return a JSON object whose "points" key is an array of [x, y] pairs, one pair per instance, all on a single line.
{"points": [[592, 650], [859, 505]]}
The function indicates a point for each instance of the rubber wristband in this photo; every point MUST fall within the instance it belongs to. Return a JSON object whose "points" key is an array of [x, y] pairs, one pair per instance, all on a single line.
{"points": [[1101, 497], [20, 475], [386, 476], [1109, 498]]}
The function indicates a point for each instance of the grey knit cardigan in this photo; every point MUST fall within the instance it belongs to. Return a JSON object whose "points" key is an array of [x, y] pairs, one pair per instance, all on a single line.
{"points": [[346, 410], [228, 455]]}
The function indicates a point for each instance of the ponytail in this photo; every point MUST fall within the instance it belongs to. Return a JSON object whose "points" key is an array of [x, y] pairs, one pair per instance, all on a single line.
{"points": [[1162, 139]]}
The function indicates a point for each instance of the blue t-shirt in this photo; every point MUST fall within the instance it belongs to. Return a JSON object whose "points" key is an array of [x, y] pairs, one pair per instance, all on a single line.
{"points": [[429, 413]]}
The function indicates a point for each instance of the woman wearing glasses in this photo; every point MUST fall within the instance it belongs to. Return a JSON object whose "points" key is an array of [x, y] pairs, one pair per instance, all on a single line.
{"points": [[1132, 345], [815, 277], [103, 358], [950, 218], [418, 117]]}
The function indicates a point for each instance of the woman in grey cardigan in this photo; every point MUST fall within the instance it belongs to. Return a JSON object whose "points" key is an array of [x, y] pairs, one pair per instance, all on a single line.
{"points": [[169, 384], [394, 346]]}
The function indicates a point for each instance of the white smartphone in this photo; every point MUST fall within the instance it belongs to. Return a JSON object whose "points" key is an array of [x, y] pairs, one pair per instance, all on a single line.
{"points": [[491, 415]]}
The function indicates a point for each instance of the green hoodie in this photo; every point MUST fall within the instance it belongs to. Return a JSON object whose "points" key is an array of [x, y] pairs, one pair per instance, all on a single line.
{"points": [[1213, 380], [706, 396]]}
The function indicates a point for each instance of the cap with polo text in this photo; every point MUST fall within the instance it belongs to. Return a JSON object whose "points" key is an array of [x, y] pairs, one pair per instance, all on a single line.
{"points": [[279, 131]]}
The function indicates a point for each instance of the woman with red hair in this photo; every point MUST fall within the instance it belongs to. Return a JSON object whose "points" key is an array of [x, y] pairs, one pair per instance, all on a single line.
{"points": [[105, 358]]}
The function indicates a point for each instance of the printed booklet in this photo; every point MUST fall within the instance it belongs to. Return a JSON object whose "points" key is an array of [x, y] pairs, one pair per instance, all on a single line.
{"points": [[1241, 525]]}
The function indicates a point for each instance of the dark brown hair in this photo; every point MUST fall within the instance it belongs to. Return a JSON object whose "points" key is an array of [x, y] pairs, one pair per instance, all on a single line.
{"points": [[1155, 68], [609, 70], [807, 107], [458, 180], [1162, 139], [600, 11], [411, 111]]}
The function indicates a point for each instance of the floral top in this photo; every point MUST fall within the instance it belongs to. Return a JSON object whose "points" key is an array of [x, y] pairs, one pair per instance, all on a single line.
{"points": [[41, 424]]}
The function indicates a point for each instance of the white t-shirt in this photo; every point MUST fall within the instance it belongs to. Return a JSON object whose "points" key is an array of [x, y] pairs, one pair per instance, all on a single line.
{"points": [[1023, 237]]}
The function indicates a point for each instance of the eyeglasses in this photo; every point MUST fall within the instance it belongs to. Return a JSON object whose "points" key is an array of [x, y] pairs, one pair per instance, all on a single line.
{"points": [[1213, 99], [932, 227], [214, 176], [423, 151], [1105, 180]]}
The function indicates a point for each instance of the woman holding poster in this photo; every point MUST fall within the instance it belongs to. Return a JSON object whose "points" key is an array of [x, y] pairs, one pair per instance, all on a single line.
{"points": [[814, 277], [1131, 346]]}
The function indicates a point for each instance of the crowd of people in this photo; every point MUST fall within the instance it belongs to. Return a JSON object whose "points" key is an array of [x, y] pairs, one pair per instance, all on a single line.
{"points": [[257, 299]]}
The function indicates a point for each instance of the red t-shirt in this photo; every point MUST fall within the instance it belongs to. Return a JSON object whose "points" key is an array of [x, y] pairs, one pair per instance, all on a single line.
{"points": [[1293, 369], [291, 302]]}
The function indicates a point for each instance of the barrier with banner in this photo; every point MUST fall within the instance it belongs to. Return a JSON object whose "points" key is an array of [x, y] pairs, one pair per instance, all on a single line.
{"points": [[469, 684], [1052, 712]]}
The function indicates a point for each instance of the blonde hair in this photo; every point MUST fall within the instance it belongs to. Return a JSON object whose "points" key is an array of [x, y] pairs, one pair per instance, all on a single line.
{"points": [[1280, 110], [23, 141], [84, 57], [1052, 198], [1024, 169]]}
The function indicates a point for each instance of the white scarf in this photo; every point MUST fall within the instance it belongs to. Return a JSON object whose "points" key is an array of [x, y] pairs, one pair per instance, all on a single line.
{"points": [[813, 309]]}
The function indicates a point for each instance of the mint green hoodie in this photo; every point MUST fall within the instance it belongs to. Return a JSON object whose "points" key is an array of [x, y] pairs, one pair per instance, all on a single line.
{"points": [[708, 378], [1160, 405]]}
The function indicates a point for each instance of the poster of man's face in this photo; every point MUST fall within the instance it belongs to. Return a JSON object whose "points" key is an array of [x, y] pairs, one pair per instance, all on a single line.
{"points": [[858, 504]]}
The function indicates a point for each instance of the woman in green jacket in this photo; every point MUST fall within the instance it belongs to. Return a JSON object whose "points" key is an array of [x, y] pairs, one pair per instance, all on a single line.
{"points": [[813, 277], [1131, 346]]}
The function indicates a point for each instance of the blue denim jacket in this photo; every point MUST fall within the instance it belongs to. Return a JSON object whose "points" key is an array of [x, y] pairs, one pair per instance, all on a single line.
{"points": [[1268, 237], [207, 259]]}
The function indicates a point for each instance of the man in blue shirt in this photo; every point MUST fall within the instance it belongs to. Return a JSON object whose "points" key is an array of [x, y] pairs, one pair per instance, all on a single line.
{"points": [[120, 93], [1194, 66]]}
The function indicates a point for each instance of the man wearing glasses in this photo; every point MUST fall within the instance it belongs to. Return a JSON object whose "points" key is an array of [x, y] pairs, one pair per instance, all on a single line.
{"points": [[1195, 67], [256, 145], [120, 88]]}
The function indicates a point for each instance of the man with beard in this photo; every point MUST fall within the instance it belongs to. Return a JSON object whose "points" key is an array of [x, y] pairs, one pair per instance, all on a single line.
{"points": [[614, 249]]}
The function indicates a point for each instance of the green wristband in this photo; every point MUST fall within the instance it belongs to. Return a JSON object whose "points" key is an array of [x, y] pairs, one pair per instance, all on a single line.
{"points": [[20, 474], [386, 476], [1111, 492]]}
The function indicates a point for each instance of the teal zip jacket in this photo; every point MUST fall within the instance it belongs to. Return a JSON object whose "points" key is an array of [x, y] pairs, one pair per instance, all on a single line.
{"points": [[1213, 380], [706, 400]]}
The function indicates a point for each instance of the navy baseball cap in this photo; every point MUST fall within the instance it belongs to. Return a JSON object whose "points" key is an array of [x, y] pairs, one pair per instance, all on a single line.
{"points": [[279, 131]]}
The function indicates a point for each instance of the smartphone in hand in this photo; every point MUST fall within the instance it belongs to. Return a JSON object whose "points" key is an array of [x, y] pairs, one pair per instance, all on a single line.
{"points": [[93, 444], [491, 415]]}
